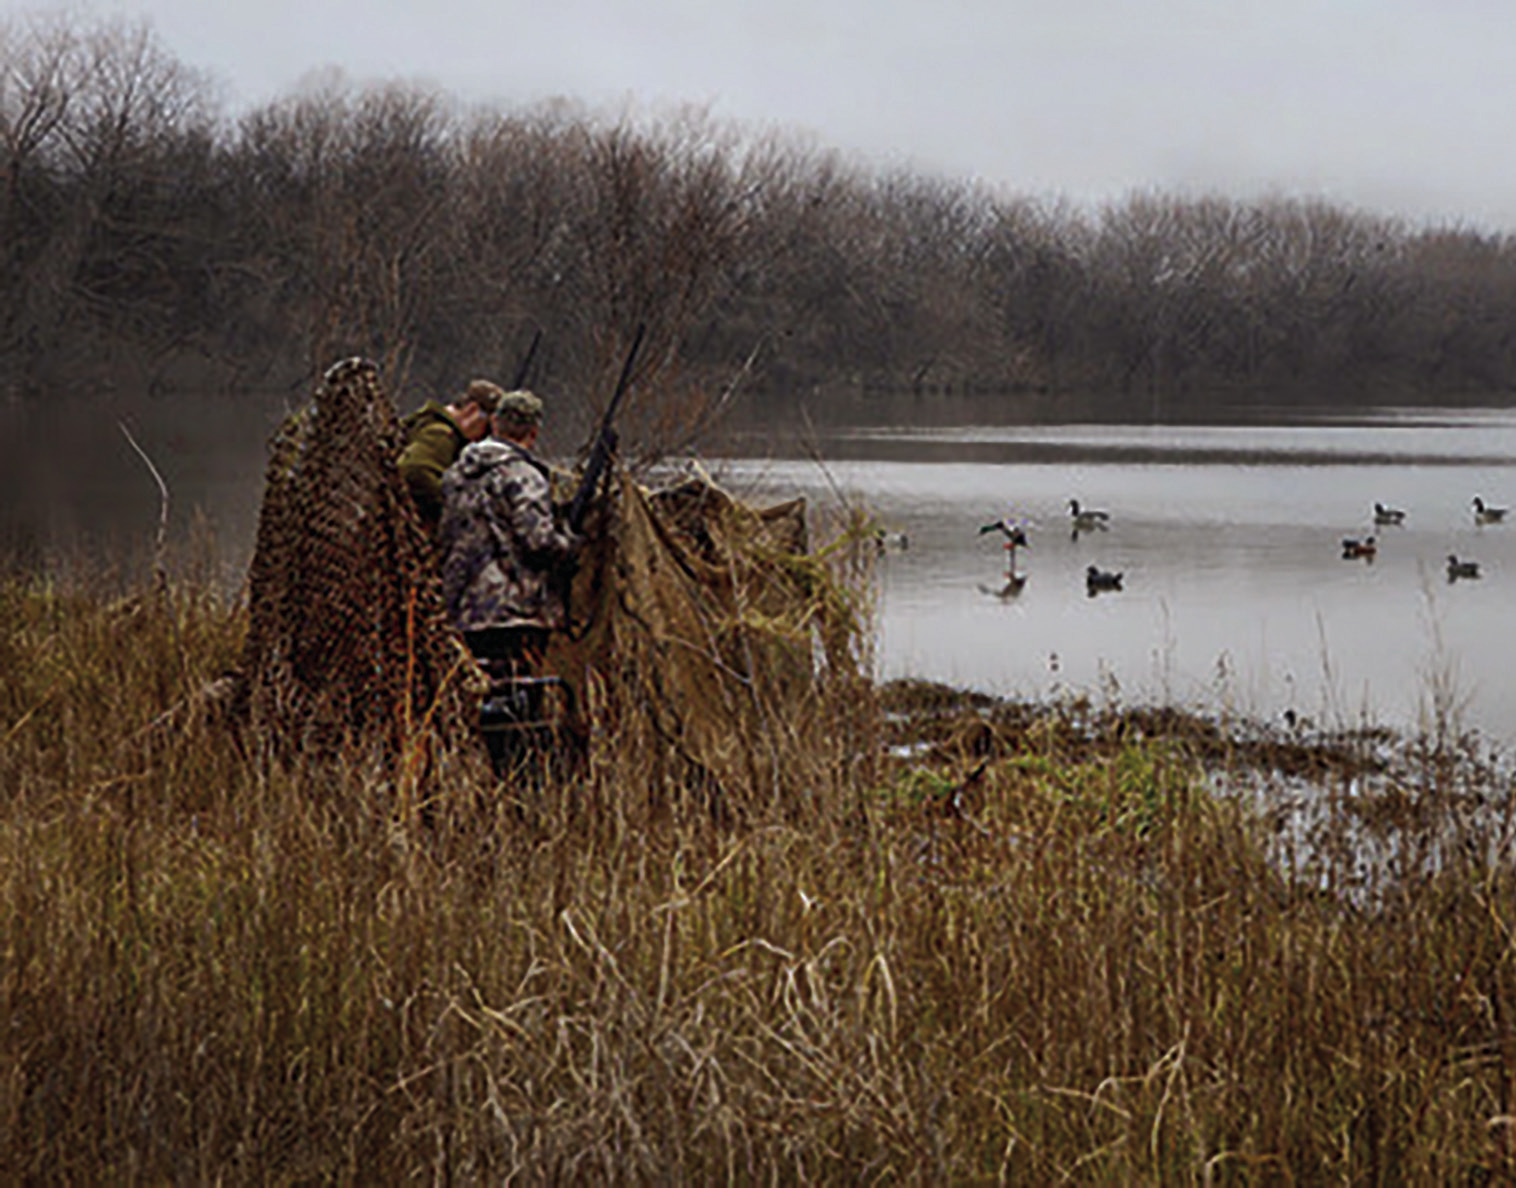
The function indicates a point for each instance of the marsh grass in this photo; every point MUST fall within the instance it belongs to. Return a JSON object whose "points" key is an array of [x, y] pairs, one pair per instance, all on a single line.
{"points": [[1046, 945]]}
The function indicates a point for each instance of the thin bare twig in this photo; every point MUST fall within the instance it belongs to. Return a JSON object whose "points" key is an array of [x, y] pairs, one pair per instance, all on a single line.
{"points": [[717, 407], [160, 544]]}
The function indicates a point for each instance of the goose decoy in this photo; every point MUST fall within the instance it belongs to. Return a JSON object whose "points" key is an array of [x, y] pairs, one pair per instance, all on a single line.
{"points": [[1461, 569], [1097, 580], [1296, 722], [1485, 514], [1388, 515], [1354, 549], [1086, 518]]}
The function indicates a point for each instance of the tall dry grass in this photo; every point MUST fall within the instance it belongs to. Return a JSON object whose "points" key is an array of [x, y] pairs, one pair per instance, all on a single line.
{"points": [[1024, 960]]}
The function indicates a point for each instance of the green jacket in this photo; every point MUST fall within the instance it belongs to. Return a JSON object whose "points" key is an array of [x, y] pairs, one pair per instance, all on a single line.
{"points": [[433, 442]]}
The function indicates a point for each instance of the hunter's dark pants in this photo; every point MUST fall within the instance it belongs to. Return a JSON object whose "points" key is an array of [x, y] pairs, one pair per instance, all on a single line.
{"points": [[511, 717]]}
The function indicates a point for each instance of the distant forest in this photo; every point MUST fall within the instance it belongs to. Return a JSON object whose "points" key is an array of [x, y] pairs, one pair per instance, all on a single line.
{"points": [[151, 241]]}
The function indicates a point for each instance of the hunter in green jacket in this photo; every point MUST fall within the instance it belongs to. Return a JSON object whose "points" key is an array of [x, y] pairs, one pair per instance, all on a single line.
{"points": [[435, 435]]}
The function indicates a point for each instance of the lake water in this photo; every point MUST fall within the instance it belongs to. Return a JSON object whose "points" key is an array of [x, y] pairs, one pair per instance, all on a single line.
{"points": [[1235, 595], [1229, 539]]}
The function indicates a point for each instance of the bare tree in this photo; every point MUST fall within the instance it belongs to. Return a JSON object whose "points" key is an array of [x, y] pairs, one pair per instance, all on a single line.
{"points": [[100, 129], [145, 238]]}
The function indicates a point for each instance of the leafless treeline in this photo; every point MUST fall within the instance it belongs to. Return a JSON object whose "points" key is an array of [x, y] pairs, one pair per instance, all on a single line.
{"points": [[148, 239]]}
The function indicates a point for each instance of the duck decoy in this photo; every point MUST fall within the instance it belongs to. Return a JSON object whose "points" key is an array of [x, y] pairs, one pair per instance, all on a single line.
{"points": [[1461, 569], [1353, 548], [1485, 514], [1014, 533], [1097, 580], [887, 541], [1015, 538], [1384, 516], [1086, 518]]}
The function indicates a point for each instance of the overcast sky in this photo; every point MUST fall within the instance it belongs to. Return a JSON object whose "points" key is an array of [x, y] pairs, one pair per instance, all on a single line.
{"points": [[1395, 106]]}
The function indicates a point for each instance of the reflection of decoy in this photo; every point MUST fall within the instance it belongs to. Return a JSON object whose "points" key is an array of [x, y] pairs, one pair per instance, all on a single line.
{"points": [[1014, 584], [1461, 569], [1098, 580], [1086, 518], [1353, 548], [1388, 515], [1485, 514]]}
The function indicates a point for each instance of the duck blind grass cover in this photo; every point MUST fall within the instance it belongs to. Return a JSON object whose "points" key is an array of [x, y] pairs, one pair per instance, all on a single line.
{"points": [[705, 634], [347, 640]]}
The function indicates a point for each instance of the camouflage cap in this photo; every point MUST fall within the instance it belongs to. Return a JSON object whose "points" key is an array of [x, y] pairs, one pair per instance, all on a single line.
{"points": [[520, 407], [483, 393]]}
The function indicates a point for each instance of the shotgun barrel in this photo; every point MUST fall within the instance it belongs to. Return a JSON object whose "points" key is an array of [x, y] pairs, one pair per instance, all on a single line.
{"points": [[604, 445]]}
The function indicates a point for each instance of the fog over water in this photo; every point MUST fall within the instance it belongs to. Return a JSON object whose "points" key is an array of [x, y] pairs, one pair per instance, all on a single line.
{"points": [[1228, 536]]}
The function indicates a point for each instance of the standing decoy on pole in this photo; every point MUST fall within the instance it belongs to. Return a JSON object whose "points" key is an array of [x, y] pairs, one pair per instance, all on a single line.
{"points": [[1015, 538], [1014, 533]]}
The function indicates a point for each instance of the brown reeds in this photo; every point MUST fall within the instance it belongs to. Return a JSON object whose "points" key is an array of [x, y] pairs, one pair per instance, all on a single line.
{"points": [[1041, 947]]}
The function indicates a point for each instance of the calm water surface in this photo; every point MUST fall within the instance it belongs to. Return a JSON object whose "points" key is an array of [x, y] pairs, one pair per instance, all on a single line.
{"points": [[1229, 538]]}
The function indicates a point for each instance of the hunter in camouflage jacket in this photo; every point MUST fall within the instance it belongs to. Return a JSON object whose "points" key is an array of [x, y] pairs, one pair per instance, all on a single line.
{"points": [[499, 544]]}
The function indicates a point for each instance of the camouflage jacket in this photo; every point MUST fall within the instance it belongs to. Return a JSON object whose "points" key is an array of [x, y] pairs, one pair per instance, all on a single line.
{"points": [[498, 542], [432, 444]]}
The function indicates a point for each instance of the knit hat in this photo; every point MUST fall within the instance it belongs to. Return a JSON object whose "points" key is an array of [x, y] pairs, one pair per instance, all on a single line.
{"points": [[520, 408], [483, 393]]}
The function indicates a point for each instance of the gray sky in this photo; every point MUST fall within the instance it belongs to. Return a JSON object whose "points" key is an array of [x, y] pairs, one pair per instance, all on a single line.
{"points": [[1395, 106]]}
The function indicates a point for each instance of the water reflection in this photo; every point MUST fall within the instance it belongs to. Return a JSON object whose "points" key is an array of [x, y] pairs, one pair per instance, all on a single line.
{"points": [[1239, 589], [1011, 587], [1235, 592]]}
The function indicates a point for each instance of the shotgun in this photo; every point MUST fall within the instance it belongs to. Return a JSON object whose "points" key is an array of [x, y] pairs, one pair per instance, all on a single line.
{"points": [[604, 445], [526, 362]]}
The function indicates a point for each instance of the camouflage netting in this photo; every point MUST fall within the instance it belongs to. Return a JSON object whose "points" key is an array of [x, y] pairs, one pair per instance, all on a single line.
{"points": [[703, 630], [706, 630], [347, 640]]}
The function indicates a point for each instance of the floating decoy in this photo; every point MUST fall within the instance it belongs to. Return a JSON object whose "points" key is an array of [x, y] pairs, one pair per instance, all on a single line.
{"points": [[1461, 569], [1297, 722], [1097, 580], [1485, 514], [886, 541], [1353, 548], [1388, 515], [1086, 518]]}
